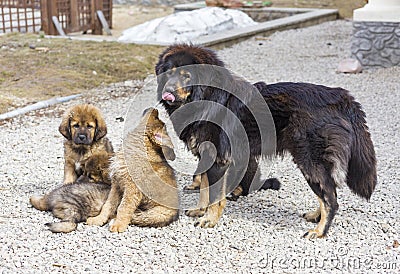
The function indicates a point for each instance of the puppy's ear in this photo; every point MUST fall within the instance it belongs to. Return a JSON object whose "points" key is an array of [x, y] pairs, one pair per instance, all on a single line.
{"points": [[101, 128], [151, 112], [64, 127], [165, 142]]}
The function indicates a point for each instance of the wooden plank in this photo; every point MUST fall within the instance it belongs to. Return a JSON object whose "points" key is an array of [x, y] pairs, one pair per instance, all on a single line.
{"points": [[110, 5], [103, 22], [3, 25], [73, 7], [44, 16], [96, 25], [58, 26]]}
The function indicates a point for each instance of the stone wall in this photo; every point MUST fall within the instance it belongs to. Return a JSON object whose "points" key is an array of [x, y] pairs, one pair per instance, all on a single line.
{"points": [[376, 44], [345, 7]]}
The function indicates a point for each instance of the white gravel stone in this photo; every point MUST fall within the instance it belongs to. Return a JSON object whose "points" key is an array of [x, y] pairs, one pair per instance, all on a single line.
{"points": [[260, 233]]}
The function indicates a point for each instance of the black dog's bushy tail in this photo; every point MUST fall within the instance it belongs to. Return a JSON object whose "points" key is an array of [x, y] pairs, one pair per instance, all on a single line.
{"points": [[361, 175]]}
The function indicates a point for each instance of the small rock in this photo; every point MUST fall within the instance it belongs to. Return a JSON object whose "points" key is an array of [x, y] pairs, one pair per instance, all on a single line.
{"points": [[349, 66], [386, 227]]}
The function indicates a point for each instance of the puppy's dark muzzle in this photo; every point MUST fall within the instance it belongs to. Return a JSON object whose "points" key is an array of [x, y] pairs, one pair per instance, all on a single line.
{"points": [[83, 179], [82, 139]]}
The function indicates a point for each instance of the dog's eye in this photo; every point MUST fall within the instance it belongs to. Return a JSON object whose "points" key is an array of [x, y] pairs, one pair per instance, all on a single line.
{"points": [[89, 126], [186, 75], [76, 126]]}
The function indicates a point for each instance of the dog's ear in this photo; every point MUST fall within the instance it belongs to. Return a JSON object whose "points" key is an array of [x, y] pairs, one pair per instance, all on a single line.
{"points": [[165, 142], [101, 128], [64, 127], [151, 111]]}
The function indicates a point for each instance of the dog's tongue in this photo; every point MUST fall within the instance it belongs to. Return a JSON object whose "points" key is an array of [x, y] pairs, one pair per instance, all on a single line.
{"points": [[167, 96]]}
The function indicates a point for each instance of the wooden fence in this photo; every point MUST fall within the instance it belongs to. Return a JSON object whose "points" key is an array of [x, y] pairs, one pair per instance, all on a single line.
{"points": [[19, 15], [68, 15]]}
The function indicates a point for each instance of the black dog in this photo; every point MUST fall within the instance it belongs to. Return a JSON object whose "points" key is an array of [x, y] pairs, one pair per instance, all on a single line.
{"points": [[323, 128]]}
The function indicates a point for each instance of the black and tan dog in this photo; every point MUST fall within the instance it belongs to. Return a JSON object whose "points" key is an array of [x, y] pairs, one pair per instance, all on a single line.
{"points": [[74, 203], [143, 186], [84, 128], [323, 128]]}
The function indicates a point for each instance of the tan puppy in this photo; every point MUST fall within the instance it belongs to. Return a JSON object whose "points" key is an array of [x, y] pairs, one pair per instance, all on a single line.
{"points": [[74, 203], [143, 186], [84, 128]]}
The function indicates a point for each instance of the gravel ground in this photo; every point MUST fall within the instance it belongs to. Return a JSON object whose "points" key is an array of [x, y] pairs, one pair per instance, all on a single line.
{"points": [[258, 233]]}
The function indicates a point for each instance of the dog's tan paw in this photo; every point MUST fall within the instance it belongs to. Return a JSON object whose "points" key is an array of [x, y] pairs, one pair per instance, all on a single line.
{"points": [[206, 222], [68, 181], [213, 214], [195, 212], [312, 216], [313, 234], [118, 226], [38, 202], [98, 220]]}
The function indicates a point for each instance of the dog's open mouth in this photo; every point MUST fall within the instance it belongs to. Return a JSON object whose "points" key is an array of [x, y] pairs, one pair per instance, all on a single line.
{"points": [[169, 97]]}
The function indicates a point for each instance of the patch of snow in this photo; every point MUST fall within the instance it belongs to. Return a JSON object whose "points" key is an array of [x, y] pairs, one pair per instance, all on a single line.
{"points": [[186, 26]]}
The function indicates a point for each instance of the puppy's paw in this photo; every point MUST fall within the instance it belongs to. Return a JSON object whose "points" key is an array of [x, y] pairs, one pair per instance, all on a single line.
{"points": [[98, 220], [206, 222], [312, 216], [195, 212], [68, 181], [313, 234], [118, 226], [38, 202]]}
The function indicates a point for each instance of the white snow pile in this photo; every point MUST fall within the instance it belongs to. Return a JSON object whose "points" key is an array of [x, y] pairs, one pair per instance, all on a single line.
{"points": [[186, 26]]}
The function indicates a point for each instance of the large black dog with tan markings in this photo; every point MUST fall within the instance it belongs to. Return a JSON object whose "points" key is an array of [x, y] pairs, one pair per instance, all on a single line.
{"points": [[323, 128]]}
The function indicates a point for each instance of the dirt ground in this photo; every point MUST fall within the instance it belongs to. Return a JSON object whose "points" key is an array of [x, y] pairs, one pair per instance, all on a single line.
{"points": [[33, 68]]}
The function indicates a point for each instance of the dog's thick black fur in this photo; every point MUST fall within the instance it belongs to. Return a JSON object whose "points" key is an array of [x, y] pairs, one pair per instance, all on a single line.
{"points": [[323, 128]]}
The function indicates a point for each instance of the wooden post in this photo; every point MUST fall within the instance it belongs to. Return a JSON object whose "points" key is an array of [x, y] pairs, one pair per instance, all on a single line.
{"points": [[110, 4], [74, 24], [96, 25], [48, 8]]}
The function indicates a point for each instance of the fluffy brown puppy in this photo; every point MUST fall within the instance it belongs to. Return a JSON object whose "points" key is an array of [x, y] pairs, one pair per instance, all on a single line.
{"points": [[74, 203], [84, 128], [143, 186]]}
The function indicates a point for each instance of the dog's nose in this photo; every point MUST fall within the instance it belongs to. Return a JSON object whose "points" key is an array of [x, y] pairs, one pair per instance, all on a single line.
{"points": [[83, 179], [82, 137], [169, 89]]}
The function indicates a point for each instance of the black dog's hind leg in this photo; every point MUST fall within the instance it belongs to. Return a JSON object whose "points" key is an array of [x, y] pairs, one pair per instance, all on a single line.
{"points": [[328, 206], [252, 176]]}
